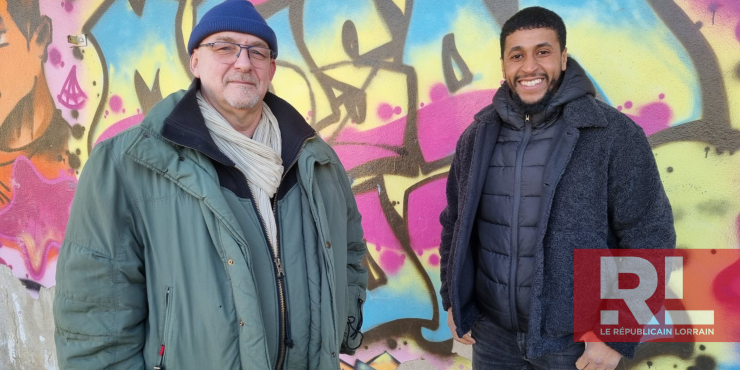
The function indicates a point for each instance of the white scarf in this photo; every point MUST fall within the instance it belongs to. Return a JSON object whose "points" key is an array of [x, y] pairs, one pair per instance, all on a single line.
{"points": [[258, 158]]}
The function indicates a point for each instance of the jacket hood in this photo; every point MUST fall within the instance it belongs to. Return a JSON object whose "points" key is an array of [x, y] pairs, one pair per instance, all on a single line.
{"points": [[575, 84]]}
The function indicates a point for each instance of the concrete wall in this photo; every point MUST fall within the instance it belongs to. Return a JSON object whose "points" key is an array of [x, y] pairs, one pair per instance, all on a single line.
{"points": [[390, 84]]}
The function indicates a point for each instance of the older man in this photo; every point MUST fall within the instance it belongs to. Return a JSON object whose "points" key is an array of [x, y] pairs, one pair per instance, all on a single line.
{"points": [[221, 233]]}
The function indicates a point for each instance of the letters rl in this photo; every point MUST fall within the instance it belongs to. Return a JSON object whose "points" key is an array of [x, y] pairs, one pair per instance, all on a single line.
{"points": [[636, 298]]}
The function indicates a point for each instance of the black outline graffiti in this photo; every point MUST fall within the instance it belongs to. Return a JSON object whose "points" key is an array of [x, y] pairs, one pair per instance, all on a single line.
{"points": [[409, 160], [502, 10], [376, 276], [451, 55], [182, 51], [92, 41], [713, 128], [137, 6], [311, 97], [147, 96], [399, 226]]}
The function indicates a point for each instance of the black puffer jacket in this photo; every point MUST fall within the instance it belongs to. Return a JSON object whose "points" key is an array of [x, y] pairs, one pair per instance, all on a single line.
{"points": [[601, 189], [508, 212]]}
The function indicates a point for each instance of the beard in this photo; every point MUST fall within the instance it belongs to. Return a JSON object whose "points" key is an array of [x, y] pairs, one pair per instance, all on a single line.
{"points": [[244, 96], [540, 105]]}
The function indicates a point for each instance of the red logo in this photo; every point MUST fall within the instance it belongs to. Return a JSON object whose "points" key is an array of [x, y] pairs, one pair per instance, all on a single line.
{"points": [[638, 295]]}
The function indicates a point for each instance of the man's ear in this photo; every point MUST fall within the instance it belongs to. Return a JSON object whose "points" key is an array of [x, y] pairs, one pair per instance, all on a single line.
{"points": [[41, 37], [503, 73], [564, 61], [273, 68], [194, 62]]}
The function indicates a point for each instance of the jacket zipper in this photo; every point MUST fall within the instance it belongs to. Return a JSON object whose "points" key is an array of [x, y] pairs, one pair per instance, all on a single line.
{"points": [[279, 272], [279, 268], [275, 254], [513, 259], [166, 329]]}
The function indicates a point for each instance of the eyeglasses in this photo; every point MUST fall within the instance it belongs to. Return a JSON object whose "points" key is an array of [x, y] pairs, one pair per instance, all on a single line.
{"points": [[228, 52]]}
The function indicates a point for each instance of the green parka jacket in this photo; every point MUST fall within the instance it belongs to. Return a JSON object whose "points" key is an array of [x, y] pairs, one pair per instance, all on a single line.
{"points": [[153, 256]]}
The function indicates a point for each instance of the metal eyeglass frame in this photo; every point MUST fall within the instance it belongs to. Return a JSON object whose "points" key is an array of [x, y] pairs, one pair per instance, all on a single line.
{"points": [[241, 47]]}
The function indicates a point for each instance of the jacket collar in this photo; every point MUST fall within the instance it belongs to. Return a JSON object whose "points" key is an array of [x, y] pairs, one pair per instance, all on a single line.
{"points": [[186, 126]]}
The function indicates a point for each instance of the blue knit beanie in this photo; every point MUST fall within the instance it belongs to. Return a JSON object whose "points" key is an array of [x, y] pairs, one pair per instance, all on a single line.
{"points": [[235, 16]]}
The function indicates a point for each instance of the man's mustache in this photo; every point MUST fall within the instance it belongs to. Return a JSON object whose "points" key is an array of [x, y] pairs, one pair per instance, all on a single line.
{"points": [[242, 78]]}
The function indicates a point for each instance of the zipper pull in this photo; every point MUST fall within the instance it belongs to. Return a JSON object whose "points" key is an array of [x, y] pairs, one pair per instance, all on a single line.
{"points": [[161, 357], [161, 347], [526, 118], [279, 268]]}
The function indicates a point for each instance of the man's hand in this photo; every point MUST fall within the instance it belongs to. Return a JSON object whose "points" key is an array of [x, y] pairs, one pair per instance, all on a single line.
{"points": [[598, 356], [466, 339]]}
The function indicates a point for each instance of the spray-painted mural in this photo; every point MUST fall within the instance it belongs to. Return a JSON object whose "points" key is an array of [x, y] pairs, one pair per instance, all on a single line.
{"points": [[390, 84]]}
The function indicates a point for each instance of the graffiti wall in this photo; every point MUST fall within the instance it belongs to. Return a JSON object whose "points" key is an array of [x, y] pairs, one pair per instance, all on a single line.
{"points": [[390, 84]]}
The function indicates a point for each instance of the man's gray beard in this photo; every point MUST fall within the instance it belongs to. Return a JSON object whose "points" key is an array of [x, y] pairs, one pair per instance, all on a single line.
{"points": [[249, 99]]}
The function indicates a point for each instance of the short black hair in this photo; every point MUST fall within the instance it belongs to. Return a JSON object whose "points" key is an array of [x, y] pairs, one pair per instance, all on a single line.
{"points": [[532, 18]]}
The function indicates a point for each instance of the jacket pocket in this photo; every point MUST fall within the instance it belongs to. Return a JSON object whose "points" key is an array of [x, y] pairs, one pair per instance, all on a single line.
{"points": [[165, 331]]}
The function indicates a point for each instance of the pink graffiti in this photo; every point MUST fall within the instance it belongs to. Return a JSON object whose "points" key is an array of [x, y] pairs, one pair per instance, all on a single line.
{"points": [[379, 232], [445, 118], [116, 103], [355, 155], [440, 123], [391, 261], [434, 260], [438, 92], [68, 6], [727, 7], [72, 95], [54, 56], [390, 134], [385, 111], [374, 222], [424, 206], [652, 117], [119, 126], [737, 32], [33, 223], [726, 285]]}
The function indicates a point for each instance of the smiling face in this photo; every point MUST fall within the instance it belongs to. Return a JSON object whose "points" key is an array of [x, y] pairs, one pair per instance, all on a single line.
{"points": [[232, 87], [532, 63]]}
